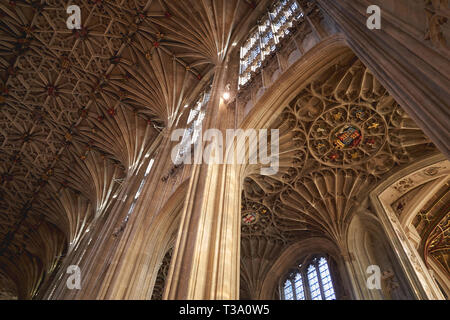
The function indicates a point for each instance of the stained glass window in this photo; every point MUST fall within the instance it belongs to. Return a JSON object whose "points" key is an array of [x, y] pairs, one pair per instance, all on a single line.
{"points": [[312, 281], [262, 42], [299, 289], [288, 292], [325, 277]]}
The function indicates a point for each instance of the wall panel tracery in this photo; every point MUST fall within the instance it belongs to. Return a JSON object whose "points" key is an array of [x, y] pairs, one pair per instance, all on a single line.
{"points": [[339, 137]]}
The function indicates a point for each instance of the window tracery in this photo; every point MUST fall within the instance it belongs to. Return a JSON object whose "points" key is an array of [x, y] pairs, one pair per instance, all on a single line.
{"points": [[309, 281], [263, 41], [195, 122]]}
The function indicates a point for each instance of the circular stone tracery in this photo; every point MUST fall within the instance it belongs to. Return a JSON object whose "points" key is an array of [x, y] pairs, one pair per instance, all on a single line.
{"points": [[255, 217], [347, 135]]}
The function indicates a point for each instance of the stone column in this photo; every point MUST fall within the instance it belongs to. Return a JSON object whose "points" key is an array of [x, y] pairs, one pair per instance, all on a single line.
{"points": [[206, 260], [132, 258], [413, 70]]}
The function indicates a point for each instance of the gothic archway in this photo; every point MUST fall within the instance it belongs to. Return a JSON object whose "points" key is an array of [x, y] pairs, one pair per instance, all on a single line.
{"points": [[165, 229], [341, 134], [412, 206]]}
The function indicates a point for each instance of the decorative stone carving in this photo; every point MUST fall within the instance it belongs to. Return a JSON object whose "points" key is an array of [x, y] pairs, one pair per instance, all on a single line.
{"points": [[404, 185], [75, 102], [433, 171], [341, 135], [438, 15]]}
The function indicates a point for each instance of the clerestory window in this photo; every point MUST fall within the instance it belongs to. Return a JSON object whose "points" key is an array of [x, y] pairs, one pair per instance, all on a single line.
{"points": [[262, 42], [194, 130]]}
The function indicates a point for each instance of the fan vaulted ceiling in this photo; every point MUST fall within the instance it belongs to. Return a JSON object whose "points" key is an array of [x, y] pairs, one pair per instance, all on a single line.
{"points": [[81, 107], [339, 138]]}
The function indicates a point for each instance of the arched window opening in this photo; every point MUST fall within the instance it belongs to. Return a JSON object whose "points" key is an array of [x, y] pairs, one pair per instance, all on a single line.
{"points": [[195, 124], [309, 281], [273, 27], [163, 271]]}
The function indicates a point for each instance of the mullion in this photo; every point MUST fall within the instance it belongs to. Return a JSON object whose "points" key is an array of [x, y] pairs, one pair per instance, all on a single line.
{"points": [[294, 290], [306, 285]]}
